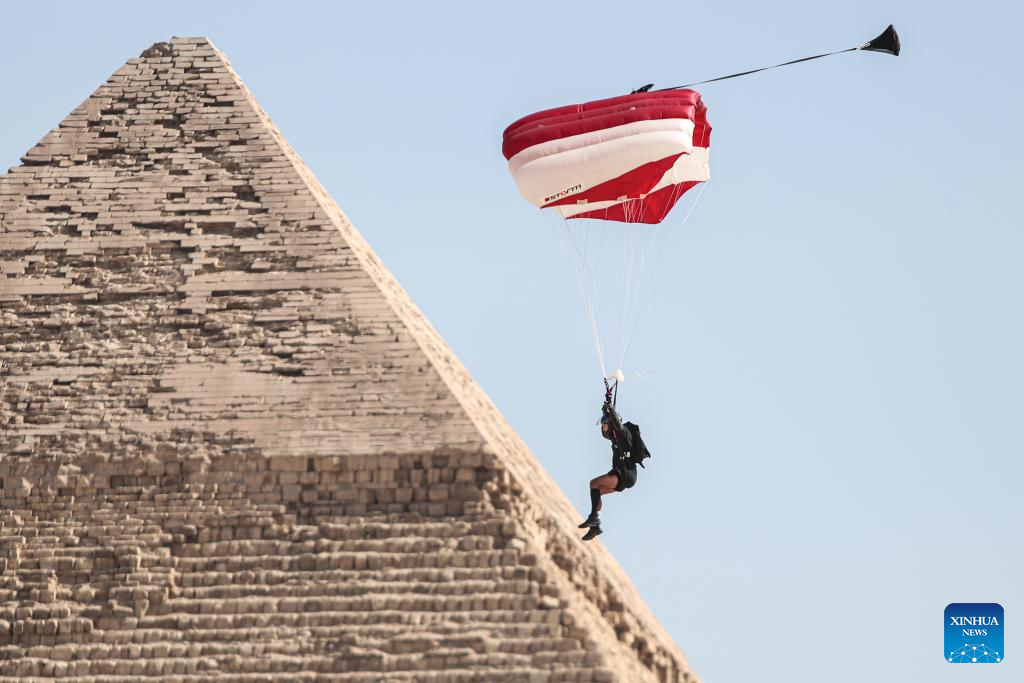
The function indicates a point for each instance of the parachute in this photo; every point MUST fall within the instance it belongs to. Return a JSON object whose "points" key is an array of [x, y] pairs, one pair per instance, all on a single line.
{"points": [[626, 159], [613, 169]]}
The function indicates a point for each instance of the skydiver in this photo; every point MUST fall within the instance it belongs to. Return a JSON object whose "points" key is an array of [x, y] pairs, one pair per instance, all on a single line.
{"points": [[628, 451]]}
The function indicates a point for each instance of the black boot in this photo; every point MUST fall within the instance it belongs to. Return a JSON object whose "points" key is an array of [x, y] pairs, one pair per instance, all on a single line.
{"points": [[593, 532], [595, 502]]}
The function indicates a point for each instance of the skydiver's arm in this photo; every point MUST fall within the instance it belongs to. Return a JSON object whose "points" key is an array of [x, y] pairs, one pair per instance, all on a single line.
{"points": [[622, 433]]}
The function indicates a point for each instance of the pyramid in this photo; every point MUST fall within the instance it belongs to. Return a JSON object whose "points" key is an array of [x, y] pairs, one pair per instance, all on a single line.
{"points": [[233, 449]]}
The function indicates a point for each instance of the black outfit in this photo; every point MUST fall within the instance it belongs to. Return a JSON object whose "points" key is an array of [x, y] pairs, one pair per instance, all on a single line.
{"points": [[623, 465], [627, 477]]}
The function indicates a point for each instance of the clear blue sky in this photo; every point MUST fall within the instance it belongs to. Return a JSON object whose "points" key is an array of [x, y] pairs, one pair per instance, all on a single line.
{"points": [[835, 342]]}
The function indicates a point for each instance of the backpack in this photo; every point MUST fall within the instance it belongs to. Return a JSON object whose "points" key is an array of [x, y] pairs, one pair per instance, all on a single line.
{"points": [[640, 452]]}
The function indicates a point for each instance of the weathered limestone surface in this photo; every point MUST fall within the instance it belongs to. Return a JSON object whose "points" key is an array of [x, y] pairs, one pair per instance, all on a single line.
{"points": [[232, 448]]}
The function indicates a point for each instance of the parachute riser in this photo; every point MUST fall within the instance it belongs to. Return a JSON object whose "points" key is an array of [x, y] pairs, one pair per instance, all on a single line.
{"points": [[611, 392]]}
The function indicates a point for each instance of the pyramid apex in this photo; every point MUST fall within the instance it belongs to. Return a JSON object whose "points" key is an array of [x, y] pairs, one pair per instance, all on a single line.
{"points": [[167, 48]]}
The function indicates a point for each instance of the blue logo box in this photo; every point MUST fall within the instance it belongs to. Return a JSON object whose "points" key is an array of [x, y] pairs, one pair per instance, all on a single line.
{"points": [[974, 633]]}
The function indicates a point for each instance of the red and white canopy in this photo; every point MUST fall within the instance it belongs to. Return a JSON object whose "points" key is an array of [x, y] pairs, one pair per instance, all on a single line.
{"points": [[625, 159]]}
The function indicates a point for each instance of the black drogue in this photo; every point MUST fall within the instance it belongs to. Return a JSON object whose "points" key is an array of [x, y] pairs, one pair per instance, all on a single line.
{"points": [[888, 41]]}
